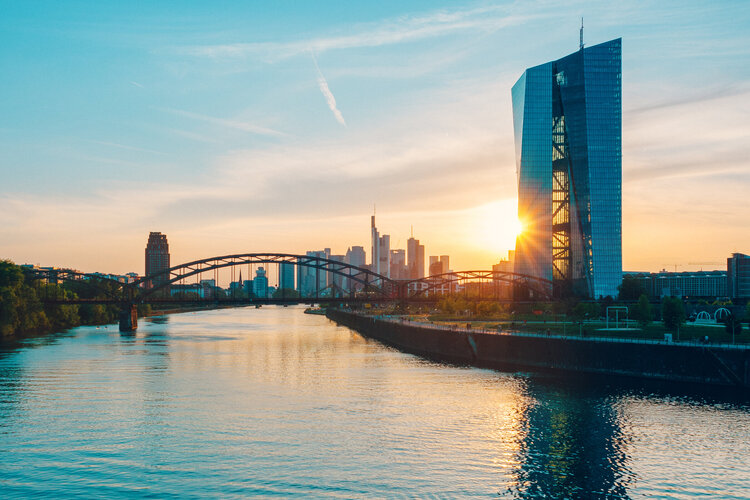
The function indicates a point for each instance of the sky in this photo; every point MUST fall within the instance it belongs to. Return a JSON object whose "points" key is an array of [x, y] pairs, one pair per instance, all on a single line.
{"points": [[280, 126]]}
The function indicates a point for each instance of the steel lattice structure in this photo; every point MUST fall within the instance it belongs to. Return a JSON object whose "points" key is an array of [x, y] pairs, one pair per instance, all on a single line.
{"points": [[538, 288], [372, 283], [371, 286]]}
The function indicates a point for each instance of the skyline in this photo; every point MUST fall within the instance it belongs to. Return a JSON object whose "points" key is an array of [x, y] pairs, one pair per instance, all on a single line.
{"points": [[115, 125]]}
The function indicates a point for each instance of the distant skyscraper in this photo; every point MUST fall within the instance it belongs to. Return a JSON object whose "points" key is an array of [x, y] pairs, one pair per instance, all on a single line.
{"points": [[506, 265], [567, 117], [415, 258], [157, 258], [398, 264], [335, 279], [439, 265], [355, 256], [260, 283], [381, 251], [311, 281], [436, 267], [286, 276], [446, 262], [385, 255], [375, 247]]}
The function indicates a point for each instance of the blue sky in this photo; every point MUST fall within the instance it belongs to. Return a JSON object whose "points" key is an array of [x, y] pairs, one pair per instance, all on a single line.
{"points": [[215, 122]]}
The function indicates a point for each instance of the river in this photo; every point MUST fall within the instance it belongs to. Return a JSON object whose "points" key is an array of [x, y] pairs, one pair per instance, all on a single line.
{"points": [[274, 402]]}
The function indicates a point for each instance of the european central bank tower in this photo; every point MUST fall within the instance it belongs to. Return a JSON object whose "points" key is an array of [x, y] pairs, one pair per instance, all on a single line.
{"points": [[567, 120]]}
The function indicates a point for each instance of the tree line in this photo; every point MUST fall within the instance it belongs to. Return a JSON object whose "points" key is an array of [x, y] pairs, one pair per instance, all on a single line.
{"points": [[22, 310]]}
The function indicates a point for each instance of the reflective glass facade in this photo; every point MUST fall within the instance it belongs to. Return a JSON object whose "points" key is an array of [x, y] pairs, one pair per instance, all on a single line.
{"points": [[567, 117]]}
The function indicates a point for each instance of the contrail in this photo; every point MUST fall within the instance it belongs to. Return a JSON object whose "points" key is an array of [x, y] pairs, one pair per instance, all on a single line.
{"points": [[323, 84]]}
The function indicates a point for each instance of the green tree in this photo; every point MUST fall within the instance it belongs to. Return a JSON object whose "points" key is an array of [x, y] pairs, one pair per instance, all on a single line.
{"points": [[585, 310], [288, 293], [604, 303], [672, 312], [631, 288], [732, 324], [60, 316], [21, 310], [643, 313]]}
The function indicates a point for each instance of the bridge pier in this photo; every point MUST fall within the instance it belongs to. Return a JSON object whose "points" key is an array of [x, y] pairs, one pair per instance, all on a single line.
{"points": [[129, 318]]}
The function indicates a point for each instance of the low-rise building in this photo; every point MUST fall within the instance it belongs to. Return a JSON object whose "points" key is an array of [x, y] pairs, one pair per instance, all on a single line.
{"points": [[697, 284], [738, 276]]}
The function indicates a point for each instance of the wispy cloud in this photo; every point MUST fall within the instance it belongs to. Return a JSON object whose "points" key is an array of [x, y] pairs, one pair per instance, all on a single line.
{"points": [[126, 147], [392, 31], [323, 84], [234, 124], [136, 84]]}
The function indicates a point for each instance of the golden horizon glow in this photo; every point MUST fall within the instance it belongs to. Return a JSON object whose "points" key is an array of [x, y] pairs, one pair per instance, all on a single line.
{"points": [[496, 226]]}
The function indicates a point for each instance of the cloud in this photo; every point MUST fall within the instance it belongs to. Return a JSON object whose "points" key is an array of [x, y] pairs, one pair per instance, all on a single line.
{"points": [[388, 32], [323, 84], [704, 95], [234, 124], [136, 84], [126, 147]]}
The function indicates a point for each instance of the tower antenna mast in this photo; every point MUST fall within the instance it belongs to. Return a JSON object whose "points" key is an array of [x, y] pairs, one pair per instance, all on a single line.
{"points": [[581, 41]]}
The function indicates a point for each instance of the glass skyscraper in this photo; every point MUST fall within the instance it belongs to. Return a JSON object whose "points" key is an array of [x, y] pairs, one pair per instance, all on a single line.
{"points": [[567, 120]]}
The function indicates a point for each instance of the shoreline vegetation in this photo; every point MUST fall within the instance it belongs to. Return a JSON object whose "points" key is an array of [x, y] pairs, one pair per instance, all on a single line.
{"points": [[23, 314]]}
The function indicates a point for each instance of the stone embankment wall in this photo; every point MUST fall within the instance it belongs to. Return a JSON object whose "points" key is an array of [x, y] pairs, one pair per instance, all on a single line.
{"points": [[698, 364]]}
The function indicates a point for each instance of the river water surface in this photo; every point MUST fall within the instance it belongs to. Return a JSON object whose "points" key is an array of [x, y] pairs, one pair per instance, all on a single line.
{"points": [[273, 402]]}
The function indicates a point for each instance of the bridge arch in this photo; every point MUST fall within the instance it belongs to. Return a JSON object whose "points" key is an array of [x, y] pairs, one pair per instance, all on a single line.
{"points": [[374, 284], [541, 288]]}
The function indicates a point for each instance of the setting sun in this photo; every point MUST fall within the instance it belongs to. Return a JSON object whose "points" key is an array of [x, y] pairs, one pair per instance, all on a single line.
{"points": [[497, 226]]}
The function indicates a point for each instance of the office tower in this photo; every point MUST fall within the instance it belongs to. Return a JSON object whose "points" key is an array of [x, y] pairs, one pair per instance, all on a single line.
{"points": [[311, 281], [415, 258], [385, 255], [157, 258], [420, 262], [505, 265], [335, 279], [355, 256], [260, 283], [567, 119], [411, 256], [738, 276], [445, 260], [439, 265], [436, 267], [398, 264], [286, 276], [375, 248], [380, 262]]}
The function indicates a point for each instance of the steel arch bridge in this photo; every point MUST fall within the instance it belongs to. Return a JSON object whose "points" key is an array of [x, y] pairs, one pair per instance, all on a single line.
{"points": [[486, 284], [374, 285], [364, 285]]}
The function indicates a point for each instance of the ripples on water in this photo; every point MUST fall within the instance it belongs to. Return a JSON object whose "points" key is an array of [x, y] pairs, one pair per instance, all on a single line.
{"points": [[274, 402]]}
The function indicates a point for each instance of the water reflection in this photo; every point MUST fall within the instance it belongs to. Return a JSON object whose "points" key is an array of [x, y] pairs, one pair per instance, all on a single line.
{"points": [[572, 445], [274, 402]]}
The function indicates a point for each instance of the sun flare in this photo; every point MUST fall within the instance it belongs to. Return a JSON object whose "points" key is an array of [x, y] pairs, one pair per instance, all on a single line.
{"points": [[497, 226]]}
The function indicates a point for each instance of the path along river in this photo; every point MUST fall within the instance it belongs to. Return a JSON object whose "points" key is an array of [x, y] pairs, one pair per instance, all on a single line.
{"points": [[274, 402]]}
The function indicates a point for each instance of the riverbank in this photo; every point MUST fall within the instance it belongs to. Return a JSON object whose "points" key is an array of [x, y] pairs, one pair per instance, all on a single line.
{"points": [[717, 365]]}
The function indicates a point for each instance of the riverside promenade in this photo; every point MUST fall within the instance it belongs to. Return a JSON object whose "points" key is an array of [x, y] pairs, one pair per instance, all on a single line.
{"points": [[692, 363]]}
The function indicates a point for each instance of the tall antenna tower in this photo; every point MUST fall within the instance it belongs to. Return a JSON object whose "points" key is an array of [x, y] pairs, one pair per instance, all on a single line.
{"points": [[581, 41]]}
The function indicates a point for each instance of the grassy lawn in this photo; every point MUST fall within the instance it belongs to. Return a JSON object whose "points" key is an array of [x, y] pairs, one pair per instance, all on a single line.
{"points": [[654, 331]]}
